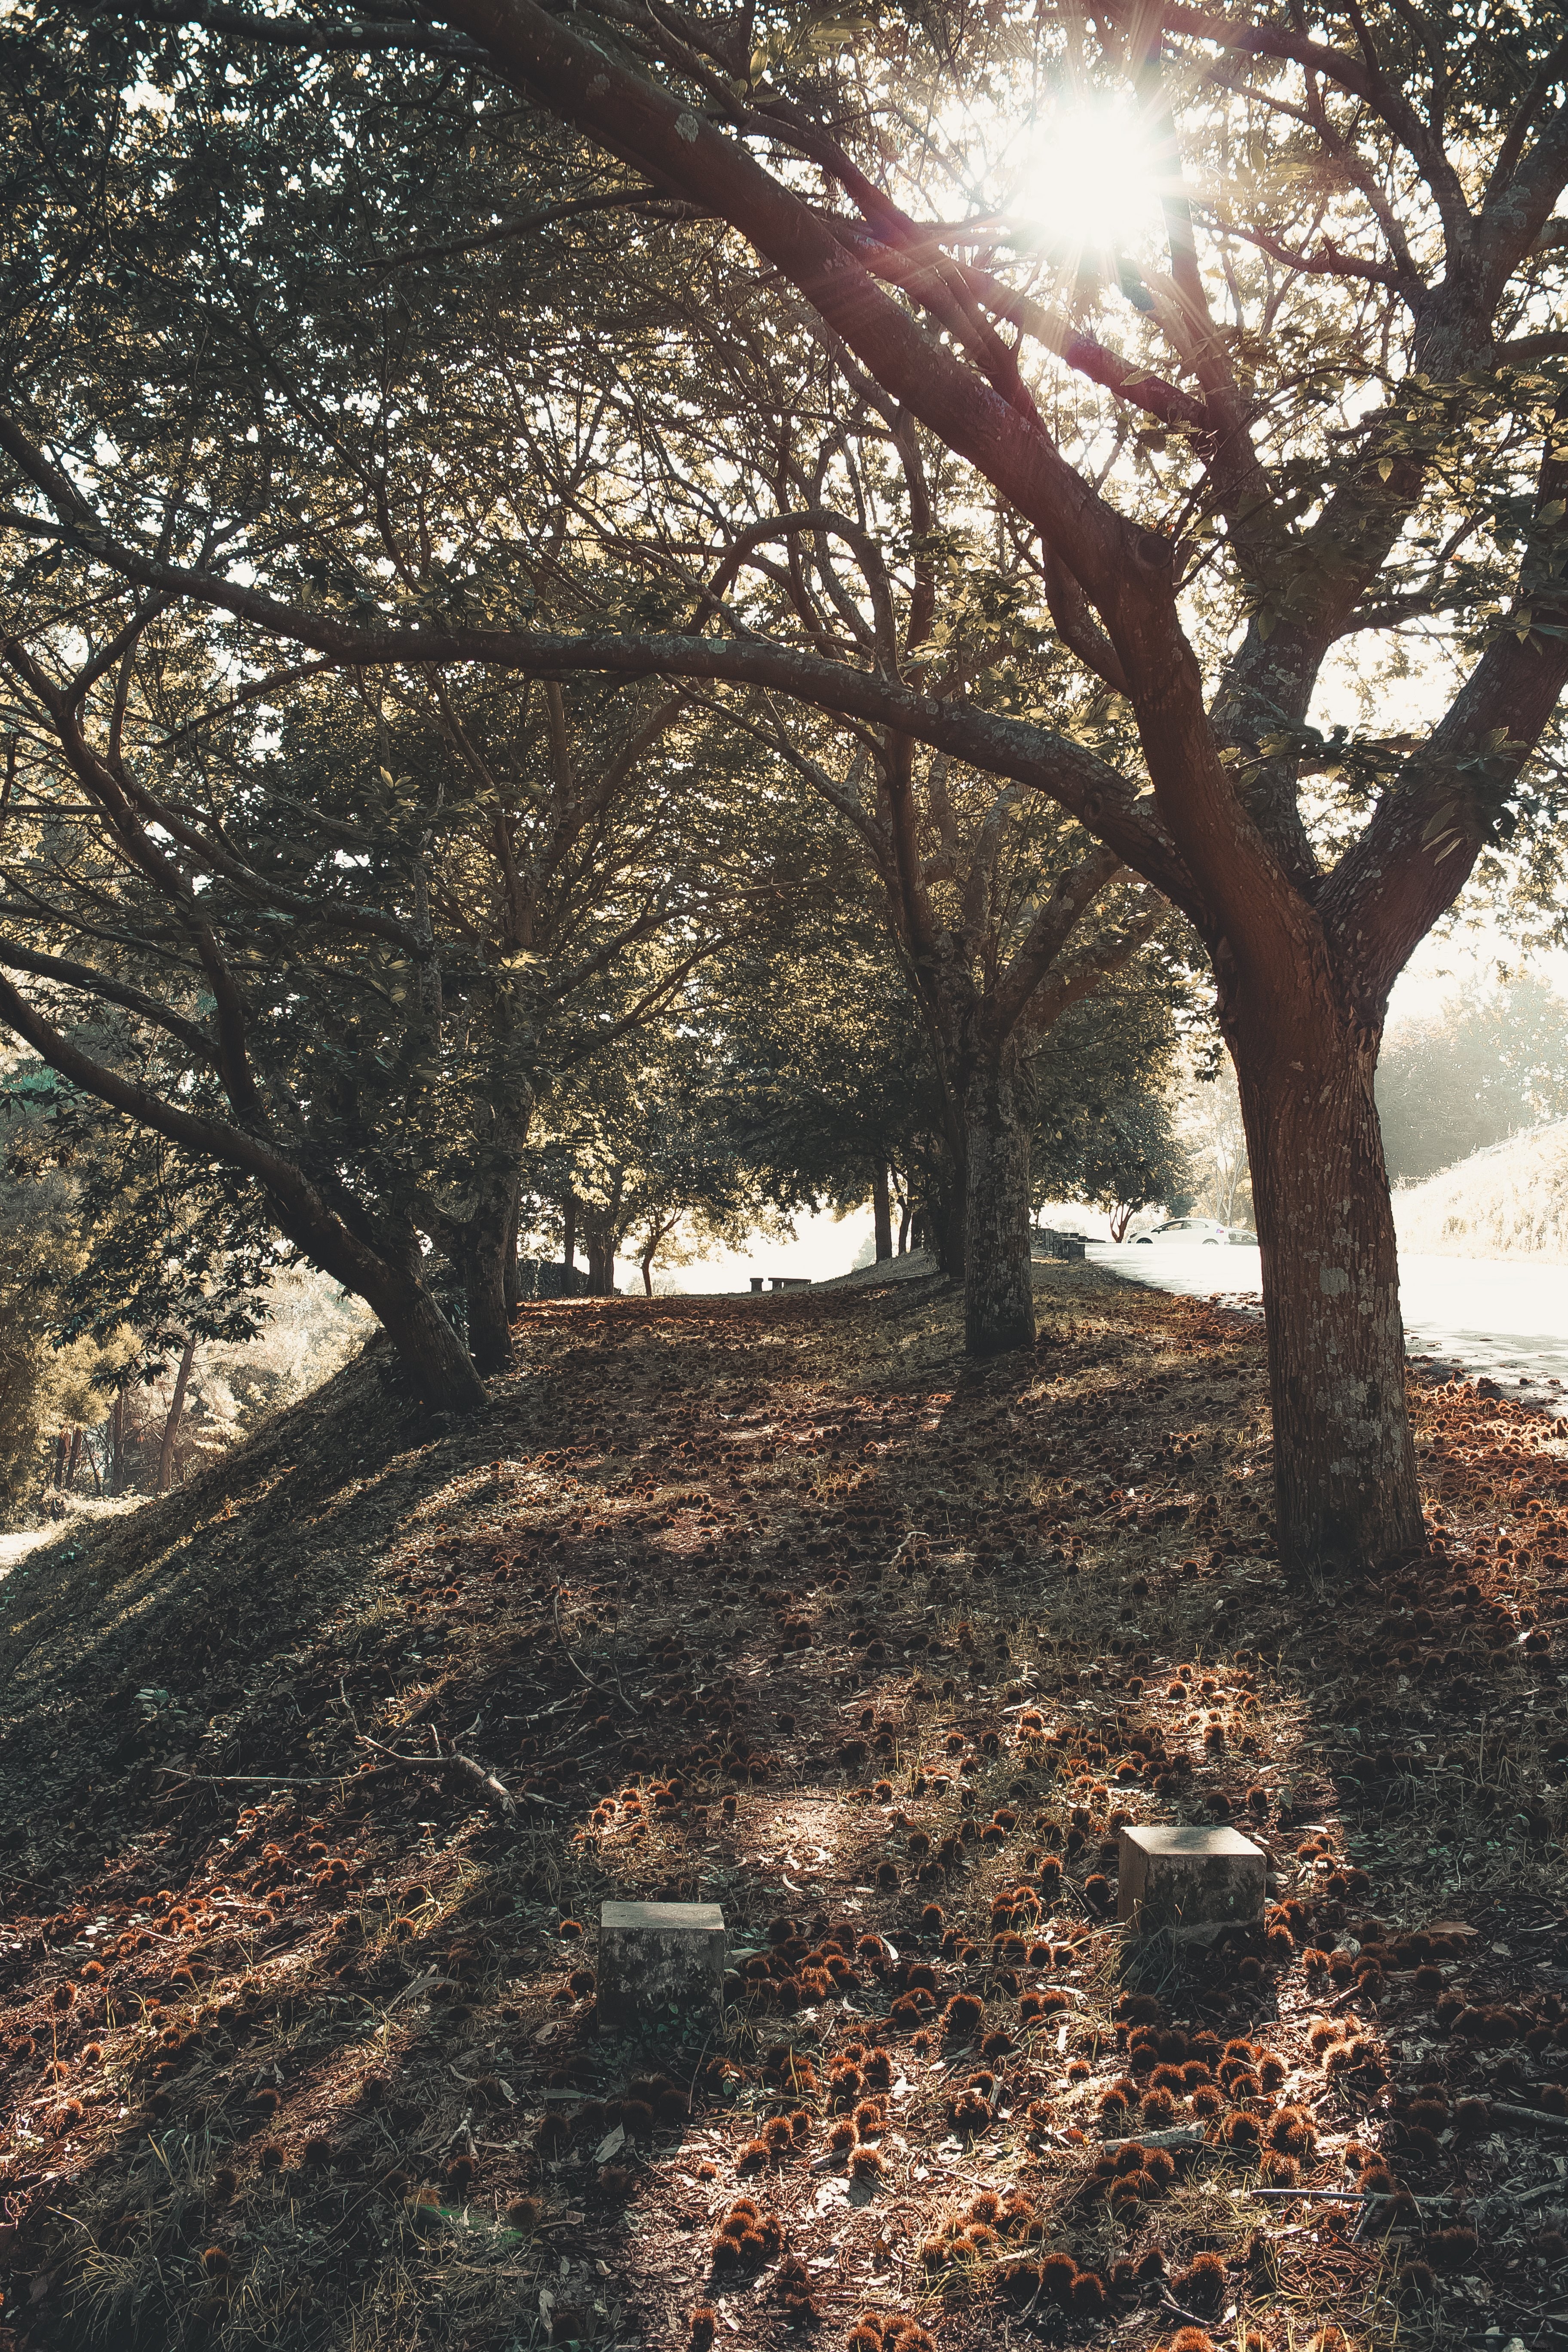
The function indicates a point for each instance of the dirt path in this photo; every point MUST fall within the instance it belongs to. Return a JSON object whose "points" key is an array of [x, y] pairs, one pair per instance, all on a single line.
{"points": [[781, 1603]]}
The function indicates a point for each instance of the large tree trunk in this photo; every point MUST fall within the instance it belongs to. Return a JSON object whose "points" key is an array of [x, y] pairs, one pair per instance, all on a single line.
{"points": [[426, 1345], [174, 1416], [882, 1214], [998, 1270], [1344, 1466]]}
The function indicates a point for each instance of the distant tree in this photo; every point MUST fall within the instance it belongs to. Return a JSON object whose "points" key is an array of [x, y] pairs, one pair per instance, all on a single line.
{"points": [[1102, 1124], [1484, 1067], [647, 1142], [835, 1073], [1214, 1139]]}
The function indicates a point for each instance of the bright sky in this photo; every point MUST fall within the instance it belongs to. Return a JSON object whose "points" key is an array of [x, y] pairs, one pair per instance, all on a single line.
{"points": [[1443, 968], [825, 1246]]}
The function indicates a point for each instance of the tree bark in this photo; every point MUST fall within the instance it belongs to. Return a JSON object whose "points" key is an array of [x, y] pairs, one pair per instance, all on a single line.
{"points": [[74, 1458], [599, 1245], [425, 1343], [174, 1416], [905, 1213], [62, 1449], [489, 1234], [1345, 1485], [882, 1214], [568, 1241], [116, 1441], [999, 1269], [484, 1292]]}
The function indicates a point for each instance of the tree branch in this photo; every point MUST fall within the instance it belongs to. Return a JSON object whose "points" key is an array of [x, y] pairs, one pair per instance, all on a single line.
{"points": [[1048, 935], [110, 992]]}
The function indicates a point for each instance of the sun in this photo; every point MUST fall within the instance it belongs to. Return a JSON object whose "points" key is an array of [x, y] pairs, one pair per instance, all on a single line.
{"points": [[1086, 185]]}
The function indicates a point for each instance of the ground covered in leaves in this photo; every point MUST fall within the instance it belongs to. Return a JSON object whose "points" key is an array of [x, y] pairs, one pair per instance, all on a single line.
{"points": [[781, 1603]]}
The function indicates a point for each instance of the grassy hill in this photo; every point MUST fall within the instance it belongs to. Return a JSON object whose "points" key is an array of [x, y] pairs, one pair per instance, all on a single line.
{"points": [[782, 1603], [1509, 1201]]}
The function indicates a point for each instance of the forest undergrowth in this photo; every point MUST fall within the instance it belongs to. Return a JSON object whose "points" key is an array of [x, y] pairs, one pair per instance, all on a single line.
{"points": [[783, 1603]]}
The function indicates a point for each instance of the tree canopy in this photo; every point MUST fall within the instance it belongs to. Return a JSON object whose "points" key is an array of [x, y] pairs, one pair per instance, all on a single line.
{"points": [[1218, 499]]}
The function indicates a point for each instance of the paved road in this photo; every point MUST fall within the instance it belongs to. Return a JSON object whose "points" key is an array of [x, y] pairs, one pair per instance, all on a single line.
{"points": [[1507, 1318]]}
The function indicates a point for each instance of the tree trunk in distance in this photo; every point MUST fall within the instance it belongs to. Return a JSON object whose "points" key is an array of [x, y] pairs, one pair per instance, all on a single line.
{"points": [[882, 1214], [998, 1268], [484, 1292], [174, 1416], [74, 1458], [62, 1443], [647, 1275], [598, 1243], [569, 1241], [1345, 1485], [490, 1233], [487, 1238], [905, 1214], [116, 1441]]}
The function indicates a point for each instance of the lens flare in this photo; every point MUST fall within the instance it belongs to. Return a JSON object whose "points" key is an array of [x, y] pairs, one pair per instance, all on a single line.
{"points": [[1086, 185]]}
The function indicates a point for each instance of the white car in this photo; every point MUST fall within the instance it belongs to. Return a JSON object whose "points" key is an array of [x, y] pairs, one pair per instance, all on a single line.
{"points": [[1200, 1230]]}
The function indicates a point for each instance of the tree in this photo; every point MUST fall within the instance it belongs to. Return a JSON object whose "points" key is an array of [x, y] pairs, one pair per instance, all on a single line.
{"points": [[1434, 270], [651, 1145], [1103, 1132], [858, 541], [1004, 918], [114, 1258], [1210, 1126], [835, 1073], [404, 911], [982, 983], [1472, 1073], [1370, 209], [46, 1392]]}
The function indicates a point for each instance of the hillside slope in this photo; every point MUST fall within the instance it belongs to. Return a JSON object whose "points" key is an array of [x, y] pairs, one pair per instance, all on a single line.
{"points": [[781, 1603], [1511, 1199]]}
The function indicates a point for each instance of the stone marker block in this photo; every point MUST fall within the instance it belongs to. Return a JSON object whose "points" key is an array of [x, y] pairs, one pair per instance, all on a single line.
{"points": [[1189, 1884], [657, 1956]]}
